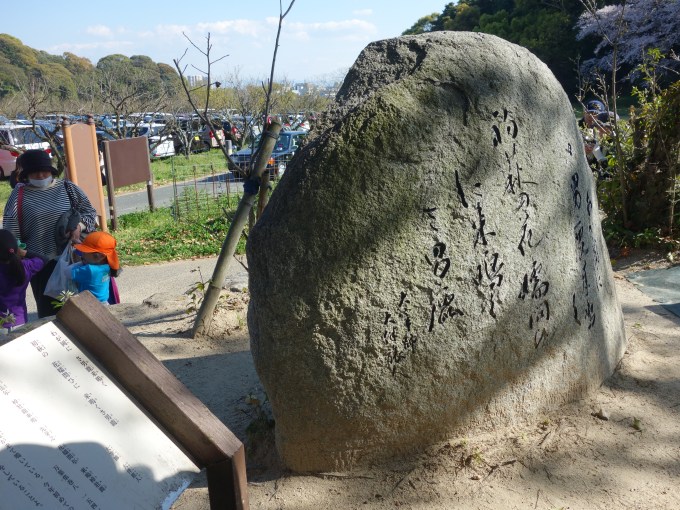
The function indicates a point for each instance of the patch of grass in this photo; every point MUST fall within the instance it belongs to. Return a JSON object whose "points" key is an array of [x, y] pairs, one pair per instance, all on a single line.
{"points": [[148, 237], [5, 190]]}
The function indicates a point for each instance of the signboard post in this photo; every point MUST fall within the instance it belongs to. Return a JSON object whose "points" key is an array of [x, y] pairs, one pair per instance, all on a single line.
{"points": [[92, 420]]}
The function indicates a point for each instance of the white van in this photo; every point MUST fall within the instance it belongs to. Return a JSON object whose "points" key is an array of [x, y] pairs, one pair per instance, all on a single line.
{"points": [[160, 145], [22, 137], [19, 137]]}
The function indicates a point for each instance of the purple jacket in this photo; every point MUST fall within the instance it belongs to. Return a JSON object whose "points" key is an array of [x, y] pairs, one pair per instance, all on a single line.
{"points": [[13, 297]]}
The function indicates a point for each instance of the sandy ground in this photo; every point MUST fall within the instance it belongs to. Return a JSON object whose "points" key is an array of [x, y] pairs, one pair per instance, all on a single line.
{"points": [[617, 448]]}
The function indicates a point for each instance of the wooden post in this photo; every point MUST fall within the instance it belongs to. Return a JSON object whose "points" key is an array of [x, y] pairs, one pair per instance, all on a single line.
{"points": [[95, 149], [110, 190], [227, 474], [149, 193], [202, 436]]}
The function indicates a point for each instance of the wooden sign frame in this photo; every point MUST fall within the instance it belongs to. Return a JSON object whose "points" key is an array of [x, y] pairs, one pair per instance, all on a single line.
{"points": [[127, 161], [82, 167], [184, 418]]}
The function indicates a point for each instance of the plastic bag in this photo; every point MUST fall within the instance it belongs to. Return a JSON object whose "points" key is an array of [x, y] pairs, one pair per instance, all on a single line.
{"points": [[60, 280]]}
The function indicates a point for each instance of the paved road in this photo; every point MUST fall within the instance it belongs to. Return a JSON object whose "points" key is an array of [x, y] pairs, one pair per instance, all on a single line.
{"points": [[164, 195]]}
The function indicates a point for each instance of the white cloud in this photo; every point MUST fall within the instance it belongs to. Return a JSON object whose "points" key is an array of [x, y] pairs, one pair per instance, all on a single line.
{"points": [[306, 48], [199, 31], [300, 36], [272, 21], [335, 27], [99, 31], [237, 26], [166, 31]]}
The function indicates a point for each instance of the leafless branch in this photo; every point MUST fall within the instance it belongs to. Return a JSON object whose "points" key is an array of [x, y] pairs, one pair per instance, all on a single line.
{"points": [[282, 15], [204, 316], [203, 113]]}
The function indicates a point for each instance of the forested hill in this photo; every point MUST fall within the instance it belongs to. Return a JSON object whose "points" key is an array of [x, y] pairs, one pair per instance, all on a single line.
{"points": [[545, 27], [64, 75]]}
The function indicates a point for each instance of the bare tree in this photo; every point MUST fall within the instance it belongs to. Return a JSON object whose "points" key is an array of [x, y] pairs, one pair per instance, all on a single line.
{"points": [[613, 32], [122, 97], [203, 110], [35, 99], [250, 191], [282, 15], [249, 100], [10, 104], [269, 102]]}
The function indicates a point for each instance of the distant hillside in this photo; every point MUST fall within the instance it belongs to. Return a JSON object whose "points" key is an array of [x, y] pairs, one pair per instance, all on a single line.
{"points": [[69, 76]]}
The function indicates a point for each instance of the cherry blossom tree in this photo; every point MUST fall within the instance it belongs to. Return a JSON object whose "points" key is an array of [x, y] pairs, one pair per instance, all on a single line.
{"points": [[626, 30]]}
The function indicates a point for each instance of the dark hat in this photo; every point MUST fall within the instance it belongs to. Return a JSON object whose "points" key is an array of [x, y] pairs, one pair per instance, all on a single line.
{"points": [[595, 106], [603, 117], [35, 160]]}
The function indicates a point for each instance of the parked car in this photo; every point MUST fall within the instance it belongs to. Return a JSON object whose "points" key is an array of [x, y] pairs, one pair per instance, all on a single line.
{"points": [[188, 142], [22, 137], [8, 160], [284, 149], [161, 144], [155, 117], [208, 136], [16, 139]]}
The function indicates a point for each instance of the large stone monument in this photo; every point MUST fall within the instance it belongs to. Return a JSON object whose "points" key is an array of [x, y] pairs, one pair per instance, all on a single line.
{"points": [[432, 259]]}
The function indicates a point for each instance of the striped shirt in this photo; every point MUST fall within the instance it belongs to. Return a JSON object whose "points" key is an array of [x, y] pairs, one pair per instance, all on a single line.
{"points": [[41, 209]]}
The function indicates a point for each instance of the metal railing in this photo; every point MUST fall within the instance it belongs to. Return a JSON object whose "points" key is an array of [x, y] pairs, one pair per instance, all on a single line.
{"points": [[204, 190]]}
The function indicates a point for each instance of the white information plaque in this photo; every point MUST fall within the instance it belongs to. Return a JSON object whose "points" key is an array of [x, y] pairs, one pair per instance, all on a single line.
{"points": [[71, 439]]}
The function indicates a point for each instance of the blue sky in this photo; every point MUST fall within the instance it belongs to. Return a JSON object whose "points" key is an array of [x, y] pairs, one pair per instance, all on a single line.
{"points": [[319, 42]]}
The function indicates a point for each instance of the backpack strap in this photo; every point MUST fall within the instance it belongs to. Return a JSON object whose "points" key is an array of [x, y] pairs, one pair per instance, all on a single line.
{"points": [[69, 192], [20, 199]]}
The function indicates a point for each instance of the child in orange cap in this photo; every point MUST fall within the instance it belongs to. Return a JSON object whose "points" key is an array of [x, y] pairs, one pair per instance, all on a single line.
{"points": [[99, 264]]}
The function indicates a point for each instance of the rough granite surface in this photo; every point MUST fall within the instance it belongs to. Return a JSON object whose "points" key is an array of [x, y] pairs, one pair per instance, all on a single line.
{"points": [[432, 258]]}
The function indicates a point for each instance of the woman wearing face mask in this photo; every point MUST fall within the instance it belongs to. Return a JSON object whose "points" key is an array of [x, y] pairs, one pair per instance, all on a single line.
{"points": [[34, 209]]}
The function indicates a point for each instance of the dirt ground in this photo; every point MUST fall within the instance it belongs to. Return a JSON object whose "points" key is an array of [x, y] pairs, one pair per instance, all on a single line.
{"points": [[617, 448]]}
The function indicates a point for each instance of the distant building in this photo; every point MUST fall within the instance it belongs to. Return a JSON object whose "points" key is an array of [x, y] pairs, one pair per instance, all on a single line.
{"points": [[305, 88], [196, 81]]}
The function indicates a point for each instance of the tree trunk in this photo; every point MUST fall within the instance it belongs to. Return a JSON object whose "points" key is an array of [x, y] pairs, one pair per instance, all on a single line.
{"points": [[250, 190]]}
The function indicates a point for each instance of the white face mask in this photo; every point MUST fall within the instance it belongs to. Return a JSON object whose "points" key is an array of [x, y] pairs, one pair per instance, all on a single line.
{"points": [[41, 183]]}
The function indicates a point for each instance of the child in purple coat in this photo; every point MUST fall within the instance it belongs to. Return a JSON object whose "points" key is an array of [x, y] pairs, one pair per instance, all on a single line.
{"points": [[16, 269]]}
